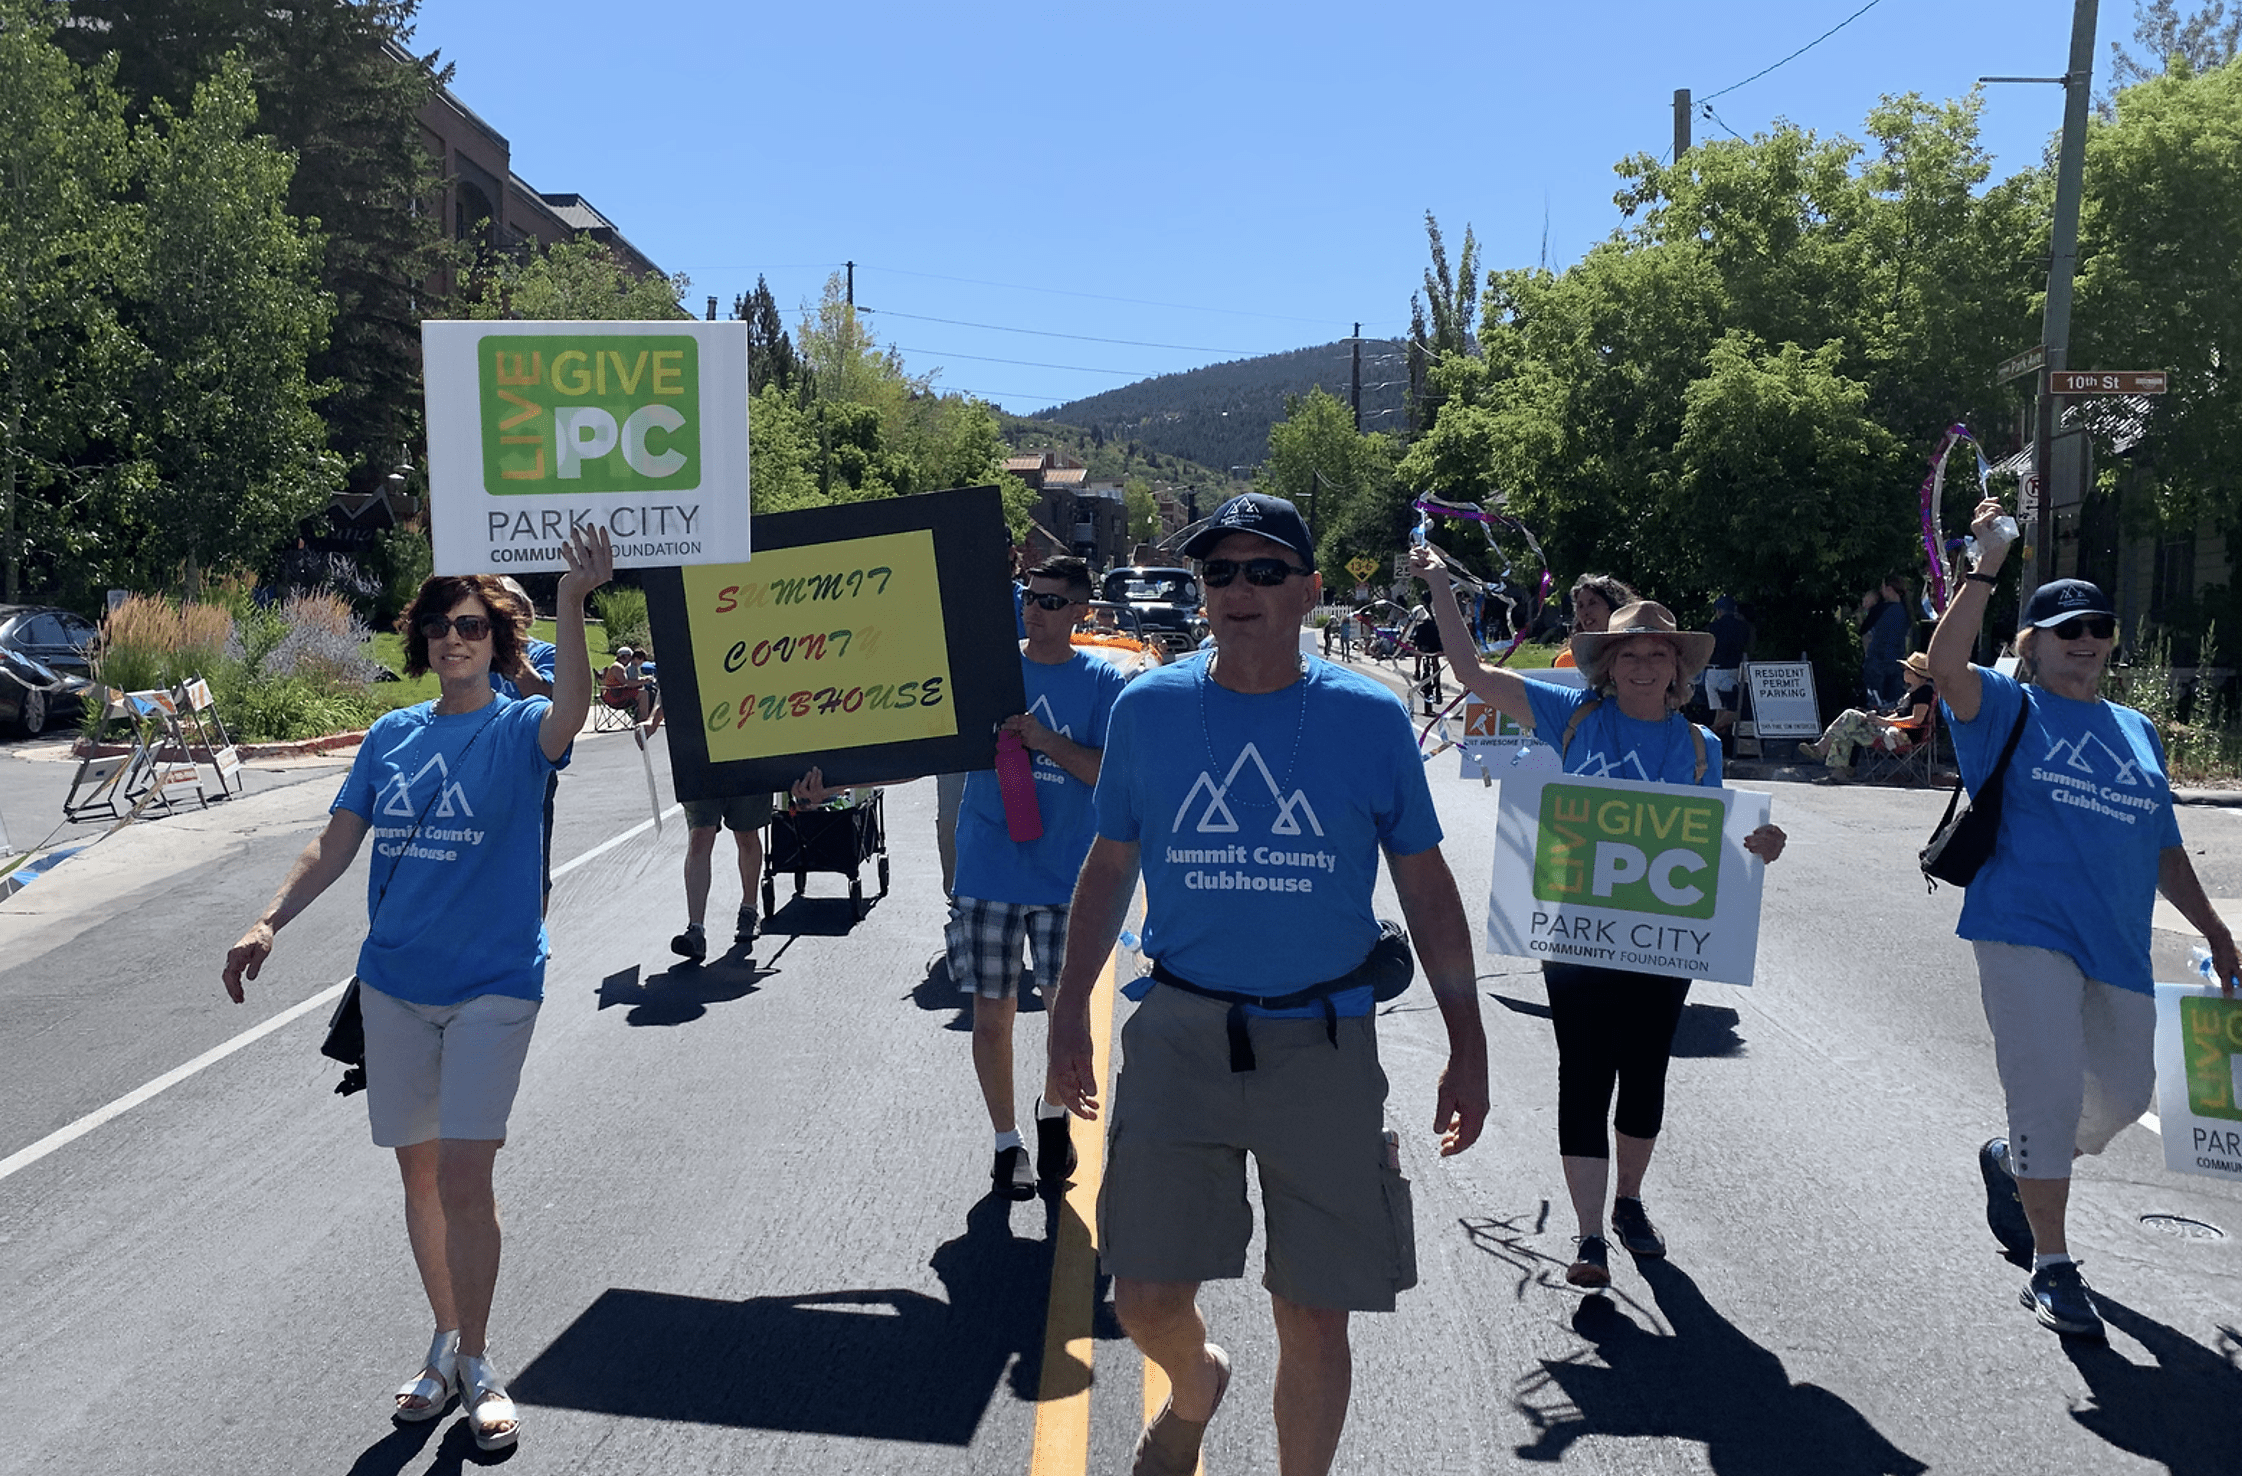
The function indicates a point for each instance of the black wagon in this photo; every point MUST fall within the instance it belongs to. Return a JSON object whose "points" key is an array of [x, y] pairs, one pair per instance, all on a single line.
{"points": [[829, 838]]}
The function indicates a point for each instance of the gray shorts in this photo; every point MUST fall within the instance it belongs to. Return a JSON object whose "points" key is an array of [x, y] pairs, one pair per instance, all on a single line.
{"points": [[1340, 1231], [443, 1071], [739, 811], [2077, 1057]]}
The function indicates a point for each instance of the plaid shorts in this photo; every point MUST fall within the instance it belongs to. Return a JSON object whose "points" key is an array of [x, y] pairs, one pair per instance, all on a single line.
{"points": [[984, 940]]}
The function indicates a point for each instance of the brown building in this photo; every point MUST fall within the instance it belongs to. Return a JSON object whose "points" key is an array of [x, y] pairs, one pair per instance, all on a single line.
{"points": [[1087, 519]]}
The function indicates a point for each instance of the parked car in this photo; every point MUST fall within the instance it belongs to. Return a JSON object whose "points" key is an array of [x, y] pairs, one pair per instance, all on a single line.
{"points": [[1167, 600], [46, 665]]}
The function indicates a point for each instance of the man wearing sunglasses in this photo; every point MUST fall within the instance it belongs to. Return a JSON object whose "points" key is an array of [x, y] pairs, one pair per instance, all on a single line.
{"points": [[1255, 791], [2059, 915]]}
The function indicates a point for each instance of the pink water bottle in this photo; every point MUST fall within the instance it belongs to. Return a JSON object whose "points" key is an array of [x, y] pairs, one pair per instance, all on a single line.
{"points": [[1015, 780]]}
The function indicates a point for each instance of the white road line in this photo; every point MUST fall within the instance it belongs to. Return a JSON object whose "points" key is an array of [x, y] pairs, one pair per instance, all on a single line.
{"points": [[64, 1136]]}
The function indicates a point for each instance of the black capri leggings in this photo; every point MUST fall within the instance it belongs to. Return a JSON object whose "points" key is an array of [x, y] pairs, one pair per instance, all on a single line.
{"points": [[1612, 1026]]}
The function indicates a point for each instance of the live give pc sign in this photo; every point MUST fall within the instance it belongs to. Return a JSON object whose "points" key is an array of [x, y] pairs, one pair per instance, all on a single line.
{"points": [[537, 429]]}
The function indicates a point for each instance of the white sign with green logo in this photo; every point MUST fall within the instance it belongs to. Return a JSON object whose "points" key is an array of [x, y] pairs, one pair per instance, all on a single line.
{"points": [[1494, 744], [536, 429], [2199, 1079], [1651, 878]]}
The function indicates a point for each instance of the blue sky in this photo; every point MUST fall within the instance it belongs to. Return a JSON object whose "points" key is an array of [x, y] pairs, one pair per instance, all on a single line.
{"points": [[1206, 180]]}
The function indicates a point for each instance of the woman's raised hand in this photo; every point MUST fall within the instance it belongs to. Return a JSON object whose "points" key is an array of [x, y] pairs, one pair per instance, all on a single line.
{"points": [[1424, 558], [591, 562]]}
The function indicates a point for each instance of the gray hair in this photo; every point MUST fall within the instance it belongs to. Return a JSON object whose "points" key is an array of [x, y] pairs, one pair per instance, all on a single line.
{"points": [[1678, 691]]}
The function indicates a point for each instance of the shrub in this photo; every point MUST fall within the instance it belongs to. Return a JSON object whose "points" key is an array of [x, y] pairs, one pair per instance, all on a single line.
{"points": [[623, 612]]}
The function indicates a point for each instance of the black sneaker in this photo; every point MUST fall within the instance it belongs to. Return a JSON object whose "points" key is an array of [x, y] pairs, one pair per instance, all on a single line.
{"points": [[1055, 1157], [1591, 1267], [748, 928], [1011, 1175], [2004, 1209], [1634, 1230], [690, 944], [2058, 1297]]}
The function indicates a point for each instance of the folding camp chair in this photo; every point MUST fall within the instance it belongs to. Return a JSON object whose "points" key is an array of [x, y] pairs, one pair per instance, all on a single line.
{"points": [[617, 708], [1911, 762]]}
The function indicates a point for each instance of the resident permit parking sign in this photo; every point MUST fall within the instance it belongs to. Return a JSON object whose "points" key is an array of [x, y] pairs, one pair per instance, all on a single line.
{"points": [[1651, 878], [536, 429], [2199, 1079]]}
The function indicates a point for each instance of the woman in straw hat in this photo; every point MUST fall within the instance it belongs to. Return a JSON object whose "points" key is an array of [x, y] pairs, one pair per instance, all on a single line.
{"points": [[1896, 728], [1614, 1027]]}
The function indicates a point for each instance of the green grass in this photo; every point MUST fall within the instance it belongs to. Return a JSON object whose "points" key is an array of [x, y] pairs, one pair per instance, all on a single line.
{"points": [[389, 649]]}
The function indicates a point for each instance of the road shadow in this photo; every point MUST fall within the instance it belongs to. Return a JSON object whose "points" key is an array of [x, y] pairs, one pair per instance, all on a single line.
{"points": [[404, 1445], [938, 992], [889, 1364], [1705, 1382], [804, 916], [1703, 1030], [2177, 1412], [682, 993]]}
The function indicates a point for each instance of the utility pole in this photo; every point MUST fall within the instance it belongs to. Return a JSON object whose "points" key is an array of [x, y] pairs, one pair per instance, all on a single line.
{"points": [[712, 309], [852, 283], [1681, 123], [1355, 392]]}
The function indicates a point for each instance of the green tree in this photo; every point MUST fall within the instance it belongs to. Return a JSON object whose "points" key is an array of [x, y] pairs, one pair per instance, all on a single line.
{"points": [[228, 306], [65, 240], [1344, 482], [771, 359], [1144, 512], [2204, 38], [578, 279]]}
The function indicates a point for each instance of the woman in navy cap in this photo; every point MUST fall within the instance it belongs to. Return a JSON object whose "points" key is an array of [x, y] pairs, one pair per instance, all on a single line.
{"points": [[2059, 915]]}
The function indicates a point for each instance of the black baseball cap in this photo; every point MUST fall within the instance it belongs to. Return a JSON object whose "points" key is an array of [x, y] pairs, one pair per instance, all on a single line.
{"points": [[1253, 512], [2059, 599]]}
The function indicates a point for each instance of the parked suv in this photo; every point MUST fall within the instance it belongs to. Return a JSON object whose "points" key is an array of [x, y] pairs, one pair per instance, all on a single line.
{"points": [[1167, 600], [46, 665]]}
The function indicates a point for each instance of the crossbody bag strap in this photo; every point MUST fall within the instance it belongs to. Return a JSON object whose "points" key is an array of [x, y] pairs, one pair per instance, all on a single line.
{"points": [[1572, 725], [1991, 792]]}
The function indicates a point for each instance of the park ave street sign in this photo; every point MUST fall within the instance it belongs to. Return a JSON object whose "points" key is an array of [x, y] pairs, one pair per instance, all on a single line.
{"points": [[2106, 381], [2017, 365]]}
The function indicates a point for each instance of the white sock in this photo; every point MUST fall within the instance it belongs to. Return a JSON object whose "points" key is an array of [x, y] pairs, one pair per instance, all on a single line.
{"points": [[1009, 1138], [1045, 1111], [2052, 1258]]}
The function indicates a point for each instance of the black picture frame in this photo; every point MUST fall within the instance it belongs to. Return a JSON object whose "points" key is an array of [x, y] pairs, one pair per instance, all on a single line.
{"points": [[972, 551]]}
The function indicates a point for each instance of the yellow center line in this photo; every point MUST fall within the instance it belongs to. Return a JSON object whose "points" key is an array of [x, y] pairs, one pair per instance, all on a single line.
{"points": [[1062, 1410]]}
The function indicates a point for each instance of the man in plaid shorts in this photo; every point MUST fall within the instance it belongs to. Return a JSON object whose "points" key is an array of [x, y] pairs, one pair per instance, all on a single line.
{"points": [[1011, 893]]}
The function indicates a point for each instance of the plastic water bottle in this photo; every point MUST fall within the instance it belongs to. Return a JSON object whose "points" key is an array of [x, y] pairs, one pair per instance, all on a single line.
{"points": [[2199, 959], [2004, 527]]}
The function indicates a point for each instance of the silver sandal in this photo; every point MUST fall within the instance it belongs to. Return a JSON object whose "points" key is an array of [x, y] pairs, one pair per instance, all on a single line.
{"points": [[438, 1378], [486, 1403]]}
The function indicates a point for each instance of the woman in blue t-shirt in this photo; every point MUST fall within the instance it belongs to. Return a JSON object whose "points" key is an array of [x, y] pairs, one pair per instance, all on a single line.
{"points": [[2059, 914], [1614, 1027], [453, 965]]}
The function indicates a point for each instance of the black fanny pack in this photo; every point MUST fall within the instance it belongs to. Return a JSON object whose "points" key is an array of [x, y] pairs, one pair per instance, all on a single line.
{"points": [[1386, 971]]}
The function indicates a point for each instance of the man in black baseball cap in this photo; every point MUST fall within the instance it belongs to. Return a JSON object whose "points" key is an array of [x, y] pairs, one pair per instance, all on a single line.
{"points": [[1272, 518]]}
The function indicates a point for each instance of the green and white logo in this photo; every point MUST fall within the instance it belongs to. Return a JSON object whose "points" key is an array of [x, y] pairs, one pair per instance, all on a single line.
{"points": [[1632, 852], [590, 413], [2211, 1035]]}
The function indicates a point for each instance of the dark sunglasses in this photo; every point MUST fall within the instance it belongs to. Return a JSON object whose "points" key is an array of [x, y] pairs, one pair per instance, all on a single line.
{"points": [[1265, 572], [470, 627], [1053, 601], [2101, 627]]}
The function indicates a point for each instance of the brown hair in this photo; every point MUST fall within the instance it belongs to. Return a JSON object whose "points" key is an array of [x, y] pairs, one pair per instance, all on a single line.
{"points": [[1678, 691], [1611, 591], [510, 615]]}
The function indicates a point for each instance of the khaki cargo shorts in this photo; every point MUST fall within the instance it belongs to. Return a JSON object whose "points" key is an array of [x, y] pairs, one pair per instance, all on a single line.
{"points": [[1173, 1207]]}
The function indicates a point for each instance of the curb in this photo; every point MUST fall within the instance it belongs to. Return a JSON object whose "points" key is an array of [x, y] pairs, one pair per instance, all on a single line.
{"points": [[300, 748], [2227, 798]]}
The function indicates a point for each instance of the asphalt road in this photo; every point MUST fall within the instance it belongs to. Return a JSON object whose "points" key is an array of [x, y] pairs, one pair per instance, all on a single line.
{"points": [[748, 1230]]}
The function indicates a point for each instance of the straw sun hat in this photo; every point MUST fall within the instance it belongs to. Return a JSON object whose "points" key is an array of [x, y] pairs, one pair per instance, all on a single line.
{"points": [[1646, 617]]}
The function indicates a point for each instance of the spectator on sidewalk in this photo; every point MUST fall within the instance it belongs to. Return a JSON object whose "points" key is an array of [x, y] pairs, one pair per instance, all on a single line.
{"points": [[1884, 626], [1893, 731], [1732, 643]]}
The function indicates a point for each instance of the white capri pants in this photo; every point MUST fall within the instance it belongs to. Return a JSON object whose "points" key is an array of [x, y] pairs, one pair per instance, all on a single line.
{"points": [[2077, 1057], [443, 1071]]}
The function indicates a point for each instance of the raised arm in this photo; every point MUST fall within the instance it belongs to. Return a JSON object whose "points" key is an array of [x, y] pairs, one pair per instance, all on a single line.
{"points": [[1949, 653], [591, 563], [327, 857], [1502, 689], [1435, 913]]}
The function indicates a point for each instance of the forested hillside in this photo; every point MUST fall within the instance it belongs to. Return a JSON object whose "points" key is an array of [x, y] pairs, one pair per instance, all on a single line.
{"points": [[1112, 459], [1220, 416]]}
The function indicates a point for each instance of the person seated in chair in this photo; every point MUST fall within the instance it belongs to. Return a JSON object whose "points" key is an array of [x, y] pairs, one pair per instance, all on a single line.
{"points": [[1895, 730]]}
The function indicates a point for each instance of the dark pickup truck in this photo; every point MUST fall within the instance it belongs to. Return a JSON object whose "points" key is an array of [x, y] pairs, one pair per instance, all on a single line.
{"points": [[1166, 600]]}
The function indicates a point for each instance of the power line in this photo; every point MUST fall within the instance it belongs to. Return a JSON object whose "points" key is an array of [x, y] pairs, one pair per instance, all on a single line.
{"points": [[1192, 348], [1794, 56], [1035, 364], [1723, 122], [1183, 307]]}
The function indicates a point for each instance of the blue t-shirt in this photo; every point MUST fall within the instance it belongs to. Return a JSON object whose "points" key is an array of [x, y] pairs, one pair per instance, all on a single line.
{"points": [[455, 908], [541, 655], [1260, 818], [1073, 699], [1611, 745], [2086, 813]]}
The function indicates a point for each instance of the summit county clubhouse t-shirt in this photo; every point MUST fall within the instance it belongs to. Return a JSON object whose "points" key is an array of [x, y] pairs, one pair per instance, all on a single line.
{"points": [[1073, 699], [1611, 745], [2086, 812], [1260, 819], [456, 907]]}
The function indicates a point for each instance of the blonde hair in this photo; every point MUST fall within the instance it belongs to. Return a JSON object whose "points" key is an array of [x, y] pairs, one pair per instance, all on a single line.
{"points": [[1678, 691]]}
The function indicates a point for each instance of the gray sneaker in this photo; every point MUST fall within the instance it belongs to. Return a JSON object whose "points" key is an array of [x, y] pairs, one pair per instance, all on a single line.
{"points": [[2058, 1297], [747, 930], [2004, 1208], [1631, 1225]]}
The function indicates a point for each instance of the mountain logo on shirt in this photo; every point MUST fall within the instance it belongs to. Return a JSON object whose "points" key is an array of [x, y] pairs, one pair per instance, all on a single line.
{"points": [[1041, 711], [1596, 764], [451, 801], [2074, 757], [1216, 817]]}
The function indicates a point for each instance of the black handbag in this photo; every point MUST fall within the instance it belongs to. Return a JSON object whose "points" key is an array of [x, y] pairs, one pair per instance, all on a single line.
{"points": [[1963, 842]]}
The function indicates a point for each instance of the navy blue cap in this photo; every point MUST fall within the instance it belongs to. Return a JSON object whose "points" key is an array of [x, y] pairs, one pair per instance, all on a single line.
{"points": [[1253, 512], [2059, 599]]}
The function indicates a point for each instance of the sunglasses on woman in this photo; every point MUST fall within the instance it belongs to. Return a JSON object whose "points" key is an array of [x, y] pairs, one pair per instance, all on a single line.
{"points": [[1053, 601], [470, 627], [1265, 572], [2101, 627]]}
